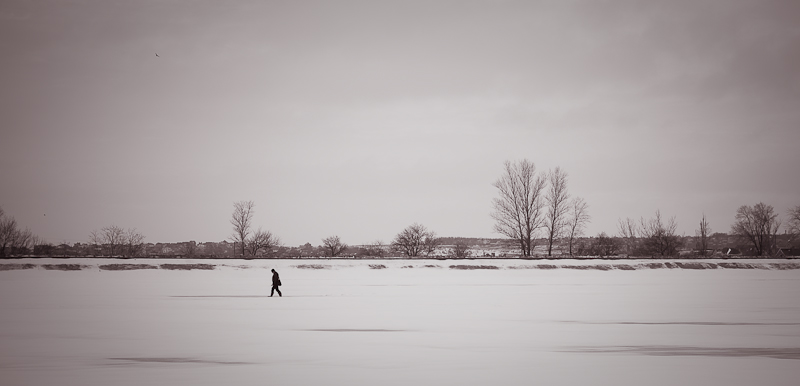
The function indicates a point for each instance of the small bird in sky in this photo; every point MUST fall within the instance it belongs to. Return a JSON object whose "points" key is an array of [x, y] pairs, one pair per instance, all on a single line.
{"points": [[157, 55]]}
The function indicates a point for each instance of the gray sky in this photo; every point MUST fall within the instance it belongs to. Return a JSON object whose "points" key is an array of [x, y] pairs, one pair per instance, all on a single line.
{"points": [[359, 118]]}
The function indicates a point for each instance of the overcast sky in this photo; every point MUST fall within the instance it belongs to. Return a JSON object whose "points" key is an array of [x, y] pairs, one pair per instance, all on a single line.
{"points": [[358, 119]]}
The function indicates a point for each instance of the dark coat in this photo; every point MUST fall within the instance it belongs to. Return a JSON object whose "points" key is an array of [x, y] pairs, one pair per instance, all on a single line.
{"points": [[276, 280]]}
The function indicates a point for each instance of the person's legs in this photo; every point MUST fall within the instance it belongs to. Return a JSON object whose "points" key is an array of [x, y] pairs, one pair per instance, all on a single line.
{"points": [[273, 291], [279, 291]]}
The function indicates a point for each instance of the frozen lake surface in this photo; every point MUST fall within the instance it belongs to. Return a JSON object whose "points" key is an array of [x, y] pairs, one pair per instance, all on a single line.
{"points": [[420, 322]]}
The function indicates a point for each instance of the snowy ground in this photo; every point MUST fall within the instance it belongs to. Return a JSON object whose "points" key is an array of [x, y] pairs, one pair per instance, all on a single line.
{"points": [[419, 322]]}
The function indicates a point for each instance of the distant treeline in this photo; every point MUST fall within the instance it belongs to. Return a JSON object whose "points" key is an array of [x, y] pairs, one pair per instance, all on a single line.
{"points": [[718, 244]]}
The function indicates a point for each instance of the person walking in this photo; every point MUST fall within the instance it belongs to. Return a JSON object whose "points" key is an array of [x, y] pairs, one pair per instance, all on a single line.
{"points": [[276, 282]]}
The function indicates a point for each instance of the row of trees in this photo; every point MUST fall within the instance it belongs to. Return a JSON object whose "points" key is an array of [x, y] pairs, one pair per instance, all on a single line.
{"points": [[14, 240], [250, 243], [531, 205], [656, 237], [756, 225], [109, 241], [116, 241], [414, 241]]}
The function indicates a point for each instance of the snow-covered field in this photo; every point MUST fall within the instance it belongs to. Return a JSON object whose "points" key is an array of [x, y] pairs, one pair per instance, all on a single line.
{"points": [[399, 322]]}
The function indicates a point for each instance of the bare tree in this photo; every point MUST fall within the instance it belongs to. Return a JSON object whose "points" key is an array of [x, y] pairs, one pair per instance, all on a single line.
{"points": [[627, 228], [97, 242], [579, 217], [22, 241], [242, 221], [133, 243], [413, 240], [114, 241], [659, 238], [13, 239], [557, 207], [628, 231], [333, 246], [794, 221], [110, 238], [518, 212], [8, 233], [430, 243], [759, 225], [703, 234], [262, 241]]}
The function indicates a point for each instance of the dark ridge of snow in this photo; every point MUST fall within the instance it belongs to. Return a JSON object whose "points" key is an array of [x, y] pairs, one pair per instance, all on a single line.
{"points": [[126, 267], [64, 267], [600, 267], [467, 266], [13, 267], [187, 267], [312, 266], [785, 266]]}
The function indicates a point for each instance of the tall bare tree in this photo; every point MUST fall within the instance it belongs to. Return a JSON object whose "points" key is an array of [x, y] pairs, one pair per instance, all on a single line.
{"points": [[24, 241], [627, 231], [8, 233], [794, 221], [96, 240], [577, 220], [518, 212], [414, 240], [759, 225], [333, 246], [13, 239], [627, 228], [557, 207], [262, 241], [702, 233], [242, 221]]}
